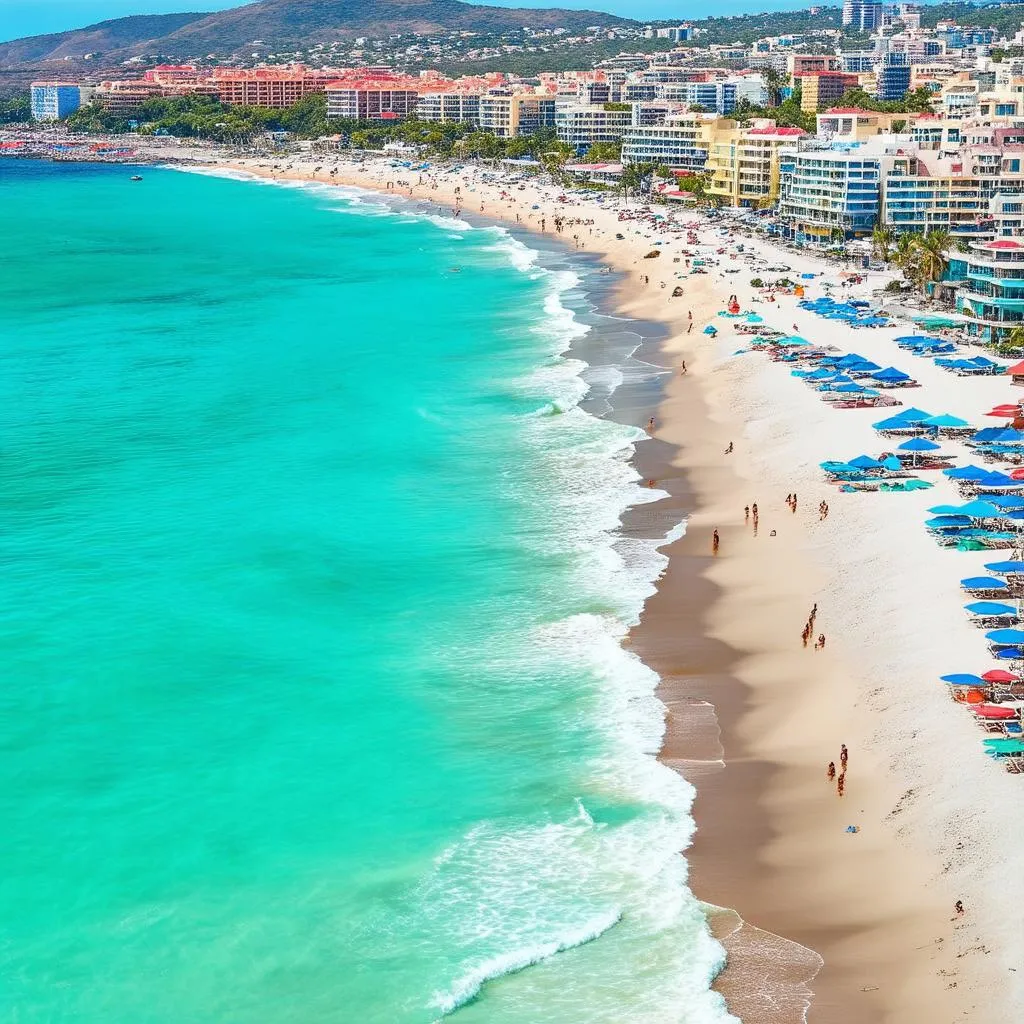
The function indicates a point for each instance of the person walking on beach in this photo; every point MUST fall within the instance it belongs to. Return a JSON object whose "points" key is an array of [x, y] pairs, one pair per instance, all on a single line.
{"points": [[844, 756], [831, 770], [650, 425], [959, 908], [820, 645], [746, 513], [841, 783], [728, 451], [714, 543], [682, 368]]}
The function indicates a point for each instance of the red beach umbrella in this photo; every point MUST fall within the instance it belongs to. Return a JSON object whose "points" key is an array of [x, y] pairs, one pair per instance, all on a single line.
{"points": [[994, 711], [1017, 474], [999, 675], [1005, 412]]}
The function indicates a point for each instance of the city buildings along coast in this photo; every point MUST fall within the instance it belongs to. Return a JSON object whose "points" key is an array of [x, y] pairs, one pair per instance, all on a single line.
{"points": [[825, 137]]}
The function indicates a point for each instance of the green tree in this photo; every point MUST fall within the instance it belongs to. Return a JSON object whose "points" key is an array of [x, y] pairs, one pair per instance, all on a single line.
{"points": [[932, 256], [882, 239], [604, 153], [16, 109]]}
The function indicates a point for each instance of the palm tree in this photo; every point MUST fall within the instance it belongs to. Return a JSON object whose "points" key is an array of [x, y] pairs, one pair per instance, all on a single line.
{"points": [[932, 258], [905, 256], [774, 81], [881, 241]]}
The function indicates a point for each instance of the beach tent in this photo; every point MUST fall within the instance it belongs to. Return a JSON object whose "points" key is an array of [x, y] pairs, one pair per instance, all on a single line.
{"points": [[990, 609], [983, 583], [1008, 568]]}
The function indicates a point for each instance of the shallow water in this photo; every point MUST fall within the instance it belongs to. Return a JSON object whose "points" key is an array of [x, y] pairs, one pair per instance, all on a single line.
{"points": [[310, 602]]}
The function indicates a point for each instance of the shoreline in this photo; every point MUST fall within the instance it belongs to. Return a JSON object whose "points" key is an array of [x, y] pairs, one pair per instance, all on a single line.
{"points": [[768, 842]]}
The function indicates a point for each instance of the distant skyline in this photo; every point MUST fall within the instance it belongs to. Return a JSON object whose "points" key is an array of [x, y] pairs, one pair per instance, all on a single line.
{"points": [[33, 17]]}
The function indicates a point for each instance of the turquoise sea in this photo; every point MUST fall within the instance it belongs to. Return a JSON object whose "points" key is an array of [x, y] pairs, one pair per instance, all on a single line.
{"points": [[313, 706]]}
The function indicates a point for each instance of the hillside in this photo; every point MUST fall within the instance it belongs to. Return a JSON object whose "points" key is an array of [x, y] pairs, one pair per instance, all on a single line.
{"points": [[283, 23], [118, 34]]}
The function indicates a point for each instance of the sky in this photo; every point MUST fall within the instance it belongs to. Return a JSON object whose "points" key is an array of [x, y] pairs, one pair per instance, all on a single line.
{"points": [[33, 17]]}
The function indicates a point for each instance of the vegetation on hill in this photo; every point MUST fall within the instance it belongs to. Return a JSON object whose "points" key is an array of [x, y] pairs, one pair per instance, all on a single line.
{"points": [[15, 110]]}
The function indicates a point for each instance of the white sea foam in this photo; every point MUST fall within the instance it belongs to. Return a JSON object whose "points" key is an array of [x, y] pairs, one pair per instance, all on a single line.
{"points": [[467, 987]]}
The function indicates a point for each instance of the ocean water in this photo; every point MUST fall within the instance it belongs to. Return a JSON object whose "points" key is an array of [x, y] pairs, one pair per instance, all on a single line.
{"points": [[313, 705]]}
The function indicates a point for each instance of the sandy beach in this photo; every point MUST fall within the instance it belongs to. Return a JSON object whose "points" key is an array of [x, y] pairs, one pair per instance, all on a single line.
{"points": [[859, 926]]}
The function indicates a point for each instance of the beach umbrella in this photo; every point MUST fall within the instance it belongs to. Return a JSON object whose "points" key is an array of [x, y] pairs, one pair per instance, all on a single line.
{"points": [[865, 462], [946, 522], [983, 583], [1003, 747], [916, 339], [1009, 436], [967, 473], [890, 373], [990, 609], [986, 434], [997, 479], [1010, 654], [999, 675], [1006, 636], [710, 330], [1017, 474], [979, 510], [963, 679], [945, 510], [919, 444], [1008, 568], [1006, 501], [994, 712], [945, 420], [1006, 412]]}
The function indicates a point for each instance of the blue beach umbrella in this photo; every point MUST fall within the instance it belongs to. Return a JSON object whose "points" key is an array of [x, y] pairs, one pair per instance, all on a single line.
{"points": [[1008, 568], [990, 609], [865, 462], [996, 479], [979, 510], [710, 330], [945, 420], [1009, 502], [944, 522], [983, 583], [919, 444], [1006, 636], [963, 679], [891, 374], [893, 465], [1010, 654], [967, 473], [945, 510]]}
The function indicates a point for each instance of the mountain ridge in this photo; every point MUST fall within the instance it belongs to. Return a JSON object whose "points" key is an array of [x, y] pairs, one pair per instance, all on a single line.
{"points": [[279, 24]]}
